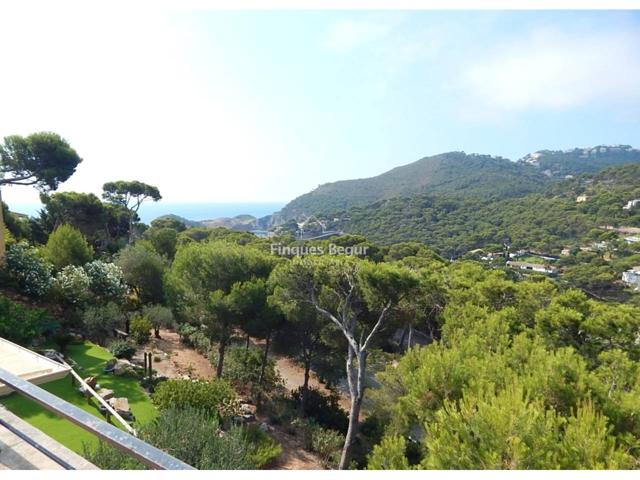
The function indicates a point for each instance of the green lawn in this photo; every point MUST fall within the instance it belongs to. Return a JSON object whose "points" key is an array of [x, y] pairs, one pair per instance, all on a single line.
{"points": [[92, 359]]}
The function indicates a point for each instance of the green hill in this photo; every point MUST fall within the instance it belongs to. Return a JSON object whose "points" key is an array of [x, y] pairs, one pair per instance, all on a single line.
{"points": [[548, 220], [453, 172]]}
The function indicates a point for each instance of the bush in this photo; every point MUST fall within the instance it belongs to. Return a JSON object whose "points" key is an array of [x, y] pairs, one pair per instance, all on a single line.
{"points": [[31, 272], [243, 367], [106, 280], [122, 349], [265, 449], [215, 396], [72, 285], [20, 324], [191, 435], [99, 321], [140, 329], [67, 246], [324, 409], [185, 331], [194, 337], [325, 442]]}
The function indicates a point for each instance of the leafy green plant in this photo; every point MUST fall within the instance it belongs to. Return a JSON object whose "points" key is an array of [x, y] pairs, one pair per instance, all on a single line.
{"points": [[20, 324], [140, 329], [29, 270], [122, 349], [99, 321], [244, 370], [215, 396], [191, 435], [106, 281], [72, 285], [265, 450]]}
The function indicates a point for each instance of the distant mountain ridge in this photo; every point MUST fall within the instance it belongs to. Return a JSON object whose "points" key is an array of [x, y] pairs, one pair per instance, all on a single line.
{"points": [[453, 175], [459, 174], [464, 174]]}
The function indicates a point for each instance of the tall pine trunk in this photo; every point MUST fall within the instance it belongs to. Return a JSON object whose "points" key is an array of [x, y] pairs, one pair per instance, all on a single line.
{"points": [[356, 377], [305, 385], [222, 346]]}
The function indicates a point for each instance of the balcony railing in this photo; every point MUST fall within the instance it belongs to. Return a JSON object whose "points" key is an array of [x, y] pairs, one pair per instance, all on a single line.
{"points": [[147, 454]]}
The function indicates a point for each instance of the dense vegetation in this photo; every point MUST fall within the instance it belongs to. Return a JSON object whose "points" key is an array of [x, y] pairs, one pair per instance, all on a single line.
{"points": [[511, 371], [548, 221]]}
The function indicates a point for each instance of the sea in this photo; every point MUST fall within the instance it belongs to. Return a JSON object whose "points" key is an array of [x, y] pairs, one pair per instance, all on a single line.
{"points": [[191, 211]]}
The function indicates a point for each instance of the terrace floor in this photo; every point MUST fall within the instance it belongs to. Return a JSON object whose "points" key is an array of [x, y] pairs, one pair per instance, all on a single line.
{"points": [[18, 454]]}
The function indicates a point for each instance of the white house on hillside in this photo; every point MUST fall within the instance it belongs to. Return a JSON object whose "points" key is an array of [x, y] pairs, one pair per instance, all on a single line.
{"points": [[632, 277]]}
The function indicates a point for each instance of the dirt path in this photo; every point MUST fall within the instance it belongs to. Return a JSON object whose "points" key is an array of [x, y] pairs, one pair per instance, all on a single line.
{"points": [[293, 376], [173, 359]]}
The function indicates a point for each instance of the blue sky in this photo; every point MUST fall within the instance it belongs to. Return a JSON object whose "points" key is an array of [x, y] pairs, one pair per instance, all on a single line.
{"points": [[264, 106]]}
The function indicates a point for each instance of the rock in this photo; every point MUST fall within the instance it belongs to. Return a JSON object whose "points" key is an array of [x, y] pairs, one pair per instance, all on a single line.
{"points": [[264, 427], [122, 366]]}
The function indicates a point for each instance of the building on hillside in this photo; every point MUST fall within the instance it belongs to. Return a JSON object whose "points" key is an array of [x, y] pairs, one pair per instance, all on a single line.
{"points": [[581, 198], [632, 204], [632, 277], [633, 239], [534, 267]]}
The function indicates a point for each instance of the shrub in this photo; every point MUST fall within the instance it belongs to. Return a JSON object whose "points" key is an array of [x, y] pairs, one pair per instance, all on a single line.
{"points": [[140, 329], [264, 449], [194, 337], [327, 443], [159, 316], [72, 285], [31, 273], [106, 280], [20, 324], [67, 246], [243, 367], [215, 396], [99, 321], [122, 349], [191, 435], [185, 331]]}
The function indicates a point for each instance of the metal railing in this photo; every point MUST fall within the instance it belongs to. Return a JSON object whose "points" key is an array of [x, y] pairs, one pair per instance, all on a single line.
{"points": [[149, 455]]}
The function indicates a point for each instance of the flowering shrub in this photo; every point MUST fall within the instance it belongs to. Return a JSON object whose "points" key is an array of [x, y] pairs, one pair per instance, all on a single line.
{"points": [[106, 280], [72, 284], [31, 272]]}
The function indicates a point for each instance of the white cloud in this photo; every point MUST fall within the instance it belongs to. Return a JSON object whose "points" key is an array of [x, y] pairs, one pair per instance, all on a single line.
{"points": [[550, 69]]}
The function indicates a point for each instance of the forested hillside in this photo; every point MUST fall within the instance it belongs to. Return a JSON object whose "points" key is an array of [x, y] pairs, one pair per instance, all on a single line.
{"points": [[581, 160], [460, 175], [453, 172], [548, 220]]}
